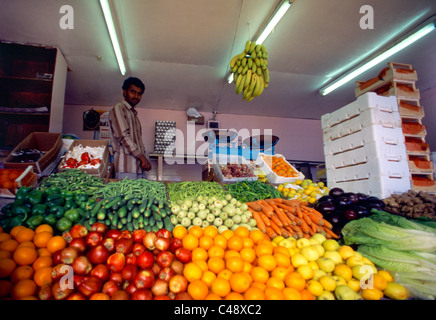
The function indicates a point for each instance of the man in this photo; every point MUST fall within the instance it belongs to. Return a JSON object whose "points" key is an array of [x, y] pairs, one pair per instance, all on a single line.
{"points": [[129, 152]]}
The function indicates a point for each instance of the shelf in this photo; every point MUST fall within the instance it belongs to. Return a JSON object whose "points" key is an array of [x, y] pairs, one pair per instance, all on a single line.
{"points": [[25, 78], [32, 85]]}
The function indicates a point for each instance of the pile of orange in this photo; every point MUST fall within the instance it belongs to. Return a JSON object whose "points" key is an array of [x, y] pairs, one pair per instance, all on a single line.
{"points": [[239, 265], [26, 260], [8, 177], [281, 167]]}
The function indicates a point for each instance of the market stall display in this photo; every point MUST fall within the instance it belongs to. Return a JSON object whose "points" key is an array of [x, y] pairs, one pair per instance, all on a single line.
{"points": [[129, 240]]}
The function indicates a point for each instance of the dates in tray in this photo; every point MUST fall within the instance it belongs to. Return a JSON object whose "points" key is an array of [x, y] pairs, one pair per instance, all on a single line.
{"points": [[236, 170]]}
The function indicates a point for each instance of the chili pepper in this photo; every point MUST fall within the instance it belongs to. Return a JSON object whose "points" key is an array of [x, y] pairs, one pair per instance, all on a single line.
{"points": [[63, 224], [35, 197], [72, 215], [50, 219], [39, 209], [35, 221]]}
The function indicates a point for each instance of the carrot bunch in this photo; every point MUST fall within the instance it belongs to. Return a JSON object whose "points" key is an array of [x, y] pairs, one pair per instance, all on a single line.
{"points": [[289, 218]]}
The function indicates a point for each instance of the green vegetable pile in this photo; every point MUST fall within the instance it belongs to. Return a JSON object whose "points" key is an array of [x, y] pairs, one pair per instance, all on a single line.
{"points": [[136, 188], [248, 191], [224, 213], [128, 212], [74, 180], [193, 189], [403, 246], [32, 207]]}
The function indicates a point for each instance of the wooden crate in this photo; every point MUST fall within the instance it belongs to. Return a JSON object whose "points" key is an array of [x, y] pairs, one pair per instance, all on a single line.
{"points": [[413, 128], [393, 72], [410, 109], [400, 89], [420, 164], [400, 71], [416, 146], [423, 183]]}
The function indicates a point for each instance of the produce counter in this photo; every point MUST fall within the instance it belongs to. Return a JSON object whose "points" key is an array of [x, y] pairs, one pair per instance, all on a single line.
{"points": [[206, 240]]}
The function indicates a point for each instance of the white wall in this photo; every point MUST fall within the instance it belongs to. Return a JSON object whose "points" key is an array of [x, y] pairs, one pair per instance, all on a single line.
{"points": [[300, 139]]}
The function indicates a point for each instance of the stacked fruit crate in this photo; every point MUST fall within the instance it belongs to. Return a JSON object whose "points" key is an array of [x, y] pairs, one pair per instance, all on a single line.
{"points": [[364, 147], [399, 80]]}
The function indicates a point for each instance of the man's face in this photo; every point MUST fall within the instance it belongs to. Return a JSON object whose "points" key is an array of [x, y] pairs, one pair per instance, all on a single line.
{"points": [[133, 95]]}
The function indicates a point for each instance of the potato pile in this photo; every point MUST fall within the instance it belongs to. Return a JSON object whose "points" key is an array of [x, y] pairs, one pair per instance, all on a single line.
{"points": [[412, 204]]}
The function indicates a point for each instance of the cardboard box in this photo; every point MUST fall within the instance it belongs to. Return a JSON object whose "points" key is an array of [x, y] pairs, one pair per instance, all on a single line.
{"points": [[102, 170], [48, 143]]}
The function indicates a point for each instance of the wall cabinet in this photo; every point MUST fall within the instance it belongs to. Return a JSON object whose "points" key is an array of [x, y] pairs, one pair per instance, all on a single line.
{"points": [[32, 91]]}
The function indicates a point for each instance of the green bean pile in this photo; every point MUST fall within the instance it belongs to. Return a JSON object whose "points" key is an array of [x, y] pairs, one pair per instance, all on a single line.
{"points": [[247, 191], [136, 187], [74, 180], [192, 189]]}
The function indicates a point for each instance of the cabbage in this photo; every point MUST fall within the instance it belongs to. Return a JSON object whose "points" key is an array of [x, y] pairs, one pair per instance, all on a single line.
{"points": [[369, 231], [404, 247]]}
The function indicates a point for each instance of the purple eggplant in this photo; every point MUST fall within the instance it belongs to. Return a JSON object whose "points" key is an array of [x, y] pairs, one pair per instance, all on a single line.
{"points": [[336, 192], [326, 207]]}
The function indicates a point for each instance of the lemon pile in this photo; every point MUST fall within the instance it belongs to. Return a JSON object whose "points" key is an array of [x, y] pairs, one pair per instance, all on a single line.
{"points": [[338, 272], [305, 190]]}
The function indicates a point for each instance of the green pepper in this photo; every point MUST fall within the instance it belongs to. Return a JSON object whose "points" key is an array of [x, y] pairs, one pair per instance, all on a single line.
{"points": [[53, 190], [70, 203], [50, 219], [21, 195], [58, 211], [81, 212], [80, 197], [72, 215], [13, 222], [20, 209], [40, 208], [55, 200], [35, 221], [63, 224], [7, 209], [35, 197], [68, 195]]}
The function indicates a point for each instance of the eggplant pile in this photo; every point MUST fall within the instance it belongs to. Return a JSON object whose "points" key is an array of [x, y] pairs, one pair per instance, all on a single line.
{"points": [[340, 207]]}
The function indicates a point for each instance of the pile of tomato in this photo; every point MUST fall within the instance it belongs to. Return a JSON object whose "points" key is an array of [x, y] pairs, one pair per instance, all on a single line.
{"points": [[109, 264]]}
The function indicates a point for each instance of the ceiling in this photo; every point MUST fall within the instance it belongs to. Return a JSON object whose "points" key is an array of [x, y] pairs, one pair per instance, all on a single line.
{"points": [[182, 49]]}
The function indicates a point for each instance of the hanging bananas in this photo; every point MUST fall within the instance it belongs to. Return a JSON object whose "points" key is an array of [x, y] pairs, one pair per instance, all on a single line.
{"points": [[250, 70]]}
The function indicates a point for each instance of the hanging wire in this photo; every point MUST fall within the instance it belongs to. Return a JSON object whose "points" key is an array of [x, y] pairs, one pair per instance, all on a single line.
{"points": [[228, 65]]}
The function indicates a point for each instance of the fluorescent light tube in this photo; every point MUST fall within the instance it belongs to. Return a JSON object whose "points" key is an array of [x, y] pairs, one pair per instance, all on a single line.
{"points": [[273, 22], [384, 55], [113, 34]]}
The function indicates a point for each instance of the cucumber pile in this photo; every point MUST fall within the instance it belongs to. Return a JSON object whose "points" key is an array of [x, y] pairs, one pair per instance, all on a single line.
{"points": [[129, 212]]}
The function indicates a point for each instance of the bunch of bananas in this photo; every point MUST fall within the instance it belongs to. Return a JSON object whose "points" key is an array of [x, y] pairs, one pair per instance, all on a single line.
{"points": [[250, 70]]}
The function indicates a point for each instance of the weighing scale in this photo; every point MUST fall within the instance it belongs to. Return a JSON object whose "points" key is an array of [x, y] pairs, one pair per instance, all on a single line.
{"points": [[223, 142]]}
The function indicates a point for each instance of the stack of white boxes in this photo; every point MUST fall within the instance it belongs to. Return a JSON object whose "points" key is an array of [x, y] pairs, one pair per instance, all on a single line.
{"points": [[364, 147]]}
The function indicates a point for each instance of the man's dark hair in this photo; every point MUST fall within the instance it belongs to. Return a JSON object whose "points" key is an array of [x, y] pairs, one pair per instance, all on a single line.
{"points": [[133, 81]]}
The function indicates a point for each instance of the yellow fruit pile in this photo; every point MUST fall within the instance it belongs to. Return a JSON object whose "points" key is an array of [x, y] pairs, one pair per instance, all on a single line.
{"points": [[243, 264], [306, 190], [335, 272]]}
